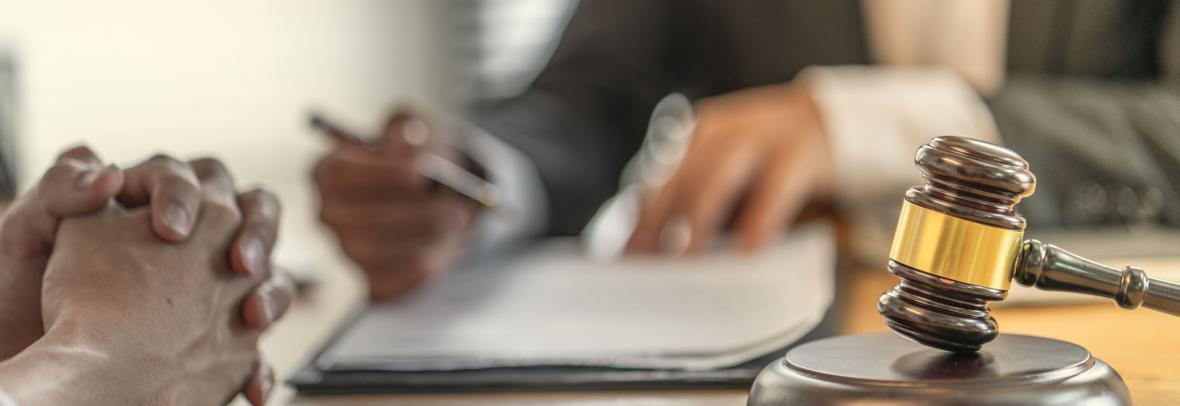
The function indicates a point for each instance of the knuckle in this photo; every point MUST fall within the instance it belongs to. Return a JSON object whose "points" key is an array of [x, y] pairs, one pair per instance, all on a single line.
{"points": [[332, 169], [176, 179], [330, 216], [60, 172], [360, 250], [433, 230], [165, 168], [398, 272], [403, 176], [78, 151], [51, 184], [209, 166], [322, 169], [264, 203], [326, 217], [62, 175], [163, 159], [222, 212]]}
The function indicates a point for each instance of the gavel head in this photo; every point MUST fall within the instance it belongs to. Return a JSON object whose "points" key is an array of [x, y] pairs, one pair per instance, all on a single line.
{"points": [[956, 243]]}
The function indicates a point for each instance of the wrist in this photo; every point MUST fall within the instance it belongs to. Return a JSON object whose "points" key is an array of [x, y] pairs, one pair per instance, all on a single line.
{"points": [[62, 368], [813, 131], [49, 372]]}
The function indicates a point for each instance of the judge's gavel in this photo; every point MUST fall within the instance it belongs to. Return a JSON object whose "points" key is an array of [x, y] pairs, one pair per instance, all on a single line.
{"points": [[959, 244]]}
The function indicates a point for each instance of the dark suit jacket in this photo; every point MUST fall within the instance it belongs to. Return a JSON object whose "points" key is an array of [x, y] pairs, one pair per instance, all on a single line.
{"points": [[1091, 99]]}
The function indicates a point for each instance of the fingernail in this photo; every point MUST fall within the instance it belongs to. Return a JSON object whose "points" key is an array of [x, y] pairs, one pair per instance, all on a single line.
{"points": [[177, 219], [86, 179], [416, 133], [675, 238], [268, 308], [253, 256]]}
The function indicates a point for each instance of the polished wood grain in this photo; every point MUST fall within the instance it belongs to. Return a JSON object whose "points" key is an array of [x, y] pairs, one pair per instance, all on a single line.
{"points": [[1143, 346]]}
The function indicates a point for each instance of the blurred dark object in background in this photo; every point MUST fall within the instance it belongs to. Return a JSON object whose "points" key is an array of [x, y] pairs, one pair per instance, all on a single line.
{"points": [[501, 45], [8, 99]]}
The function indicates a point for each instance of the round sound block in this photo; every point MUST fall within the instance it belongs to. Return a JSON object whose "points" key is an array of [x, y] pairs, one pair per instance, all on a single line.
{"points": [[885, 369]]}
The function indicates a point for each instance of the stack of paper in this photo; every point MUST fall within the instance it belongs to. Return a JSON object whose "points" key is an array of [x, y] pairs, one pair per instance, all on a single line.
{"points": [[553, 307]]}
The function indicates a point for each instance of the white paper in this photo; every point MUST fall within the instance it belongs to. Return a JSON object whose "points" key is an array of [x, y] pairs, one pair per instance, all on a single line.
{"points": [[552, 306]]}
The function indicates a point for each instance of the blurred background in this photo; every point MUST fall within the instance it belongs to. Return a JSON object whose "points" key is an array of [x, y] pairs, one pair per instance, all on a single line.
{"points": [[1087, 91], [236, 79]]}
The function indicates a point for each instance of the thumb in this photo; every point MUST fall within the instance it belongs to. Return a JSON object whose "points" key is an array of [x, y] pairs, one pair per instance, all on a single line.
{"points": [[76, 185], [405, 131]]}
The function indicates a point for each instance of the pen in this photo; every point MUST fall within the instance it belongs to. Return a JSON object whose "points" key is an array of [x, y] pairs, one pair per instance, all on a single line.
{"points": [[430, 166]]}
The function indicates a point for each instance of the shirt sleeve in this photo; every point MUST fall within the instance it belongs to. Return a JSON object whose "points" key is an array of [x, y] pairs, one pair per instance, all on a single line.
{"points": [[876, 118], [523, 208]]}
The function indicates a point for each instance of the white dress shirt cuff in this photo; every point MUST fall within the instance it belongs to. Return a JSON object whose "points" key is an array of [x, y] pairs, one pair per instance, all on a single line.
{"points": [[524, 206], [877, 117]]}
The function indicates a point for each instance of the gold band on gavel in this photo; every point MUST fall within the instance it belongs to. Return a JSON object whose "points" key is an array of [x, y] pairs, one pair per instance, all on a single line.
{"points": [[953, 248]]}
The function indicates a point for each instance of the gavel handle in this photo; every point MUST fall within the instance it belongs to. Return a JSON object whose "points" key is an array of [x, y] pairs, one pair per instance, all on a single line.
{"points": [[1050, 268]]}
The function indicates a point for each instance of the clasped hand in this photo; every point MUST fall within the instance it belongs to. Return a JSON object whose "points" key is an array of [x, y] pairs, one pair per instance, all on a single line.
{"points": [[161, 273]]}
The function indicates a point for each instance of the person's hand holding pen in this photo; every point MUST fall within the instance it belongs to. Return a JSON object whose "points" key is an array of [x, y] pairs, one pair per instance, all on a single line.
{"points": [[395, 223]]}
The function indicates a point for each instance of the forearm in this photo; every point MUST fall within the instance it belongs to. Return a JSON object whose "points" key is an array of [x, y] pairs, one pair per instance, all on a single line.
{"points": [[60, 369], [47, 375]]}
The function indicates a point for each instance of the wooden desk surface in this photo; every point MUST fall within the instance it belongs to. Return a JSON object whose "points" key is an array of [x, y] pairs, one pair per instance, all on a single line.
{"points": [[1143, 346]]}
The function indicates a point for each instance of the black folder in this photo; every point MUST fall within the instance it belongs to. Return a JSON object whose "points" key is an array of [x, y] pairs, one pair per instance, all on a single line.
{"points": [[320, 378]]}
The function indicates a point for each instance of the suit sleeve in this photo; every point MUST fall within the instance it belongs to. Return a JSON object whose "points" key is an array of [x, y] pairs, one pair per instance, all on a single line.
{"points": [[583, 117], [1104, 151]]}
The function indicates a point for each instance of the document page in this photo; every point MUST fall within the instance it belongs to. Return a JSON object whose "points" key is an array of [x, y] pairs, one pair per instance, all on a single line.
{"points": [[551, 306]]}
